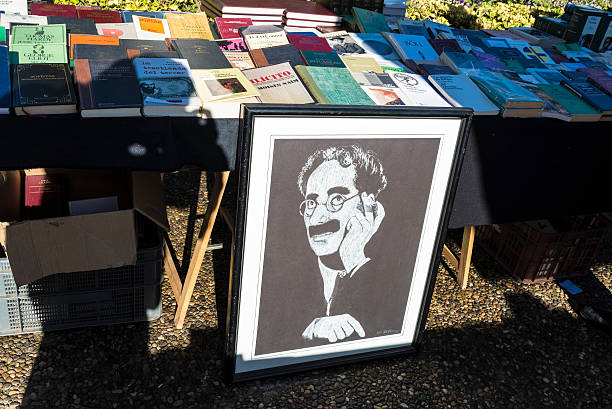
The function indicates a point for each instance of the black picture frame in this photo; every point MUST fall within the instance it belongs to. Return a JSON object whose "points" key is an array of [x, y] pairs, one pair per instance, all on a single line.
{"points": [[237, 368]]}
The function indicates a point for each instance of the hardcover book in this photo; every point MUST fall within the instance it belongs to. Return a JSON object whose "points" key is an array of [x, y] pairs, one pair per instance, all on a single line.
{"points": [[131, 54], [222, 84], [370, 21], [166, 87], [302, 42], [599, 77], [201, 54], [303, 10], [128, 15], [579, 110], [248, 6], [322, 59], [436, 29], [107, 88], [121, 30], [74, 25], [5, 81], [308, 24], [330, 85], [98, 52], [99, 16], [417, 90], [535, 36], [504, 92], [43, 89], [43, 194], [361, 64], [375, 45], [189, 25], [90, 39], [411, 47], [264, 36], [144, 45], [59, 10], [551, 108], [412, 29], [591, 94], [151, 28], [460, 91], [276, 55], [279, 84], [440, 45], [228, 27], [232, 44]]}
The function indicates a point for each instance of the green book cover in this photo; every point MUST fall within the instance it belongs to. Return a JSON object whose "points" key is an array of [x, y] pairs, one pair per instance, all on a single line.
{"points": [[49, 34], [370, 21], [2, 34], [514, 66], [570, 101], [331, 85], [322, 59], [38, 53], [567, 47]]}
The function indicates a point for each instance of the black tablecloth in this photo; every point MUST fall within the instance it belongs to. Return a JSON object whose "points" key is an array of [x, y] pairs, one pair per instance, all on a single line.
{"points": [[514, 169], [525, 169], [161, 144]]}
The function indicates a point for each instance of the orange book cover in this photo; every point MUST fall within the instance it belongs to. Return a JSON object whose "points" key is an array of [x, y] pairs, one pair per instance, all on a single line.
{"points": [[91, 39]]}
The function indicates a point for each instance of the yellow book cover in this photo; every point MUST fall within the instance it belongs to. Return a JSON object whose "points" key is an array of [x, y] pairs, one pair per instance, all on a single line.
{"points": [[311, 84], [222, 84], [361, 64], [189, 26]]}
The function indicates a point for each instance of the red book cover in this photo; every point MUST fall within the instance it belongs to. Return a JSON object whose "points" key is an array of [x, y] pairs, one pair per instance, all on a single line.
{"points": [[58, 10], [228, 27], [310, 10], [100, 16], [43, 195], [309, 43]]}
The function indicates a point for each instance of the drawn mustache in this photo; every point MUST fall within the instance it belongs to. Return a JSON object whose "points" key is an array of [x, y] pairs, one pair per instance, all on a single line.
{"points": [[327, 227]]}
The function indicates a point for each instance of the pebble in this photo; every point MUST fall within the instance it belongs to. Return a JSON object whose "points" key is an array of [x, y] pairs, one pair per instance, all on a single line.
{"points": [[499, 343]]}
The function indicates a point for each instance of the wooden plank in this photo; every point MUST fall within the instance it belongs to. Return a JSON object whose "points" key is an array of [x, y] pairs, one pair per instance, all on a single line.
{"points": [[172, 273], [467, 245], [214, 203], [446, 252]]}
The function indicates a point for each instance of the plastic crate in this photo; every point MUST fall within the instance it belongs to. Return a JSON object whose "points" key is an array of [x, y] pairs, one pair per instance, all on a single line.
{"points": [[87, 298], [536, 252], [19, 315]]}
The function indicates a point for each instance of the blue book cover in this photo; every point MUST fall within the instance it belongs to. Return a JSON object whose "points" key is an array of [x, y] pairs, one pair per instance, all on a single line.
{"points": [[127, 15], [504, 92], [5, 80], [591, 94], [412, 47], [375, 45], [165, 81], [461, 91]]}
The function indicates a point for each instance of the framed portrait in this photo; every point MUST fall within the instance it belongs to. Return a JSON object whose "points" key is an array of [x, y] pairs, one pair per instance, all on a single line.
{"points": [[341, 216]]}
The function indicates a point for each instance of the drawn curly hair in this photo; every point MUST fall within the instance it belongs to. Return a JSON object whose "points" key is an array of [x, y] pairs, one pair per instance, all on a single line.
{"points": [[369, 176]]}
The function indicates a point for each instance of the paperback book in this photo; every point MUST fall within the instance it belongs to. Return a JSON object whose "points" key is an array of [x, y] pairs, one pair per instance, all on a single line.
{"points": [[417, 90], [330, 85], [151, 28], [278, 84], [43, 89], [201, 54], [276, 55], [121, 30], [264, 36], [222, 84], [460, 91]]}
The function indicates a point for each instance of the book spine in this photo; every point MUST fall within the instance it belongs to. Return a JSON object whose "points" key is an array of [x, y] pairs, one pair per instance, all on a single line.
{"points": [[82, 77], [259, 58], [311, 84]]}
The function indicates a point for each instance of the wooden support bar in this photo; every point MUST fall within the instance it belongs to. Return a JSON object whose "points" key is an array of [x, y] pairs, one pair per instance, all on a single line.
{"points": [[214, 203], [172, 273], [467, 245]]}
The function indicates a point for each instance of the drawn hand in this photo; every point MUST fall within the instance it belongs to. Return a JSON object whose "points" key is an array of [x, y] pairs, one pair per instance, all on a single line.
{"points": [[360, 229], [334, 328]]}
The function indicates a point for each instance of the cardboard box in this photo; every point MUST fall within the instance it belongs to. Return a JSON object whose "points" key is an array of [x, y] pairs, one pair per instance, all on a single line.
{"points": [[38, 248]]}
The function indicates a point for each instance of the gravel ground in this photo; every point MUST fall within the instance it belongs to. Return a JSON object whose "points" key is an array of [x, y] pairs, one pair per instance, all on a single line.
{"points": [[498, 344]]}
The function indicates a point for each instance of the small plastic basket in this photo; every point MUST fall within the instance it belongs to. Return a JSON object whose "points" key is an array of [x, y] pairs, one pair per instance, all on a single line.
{"points": [[536, 252]]}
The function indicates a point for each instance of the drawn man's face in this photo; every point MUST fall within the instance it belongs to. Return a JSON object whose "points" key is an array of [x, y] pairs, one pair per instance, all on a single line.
{"points": [[325, 228]]}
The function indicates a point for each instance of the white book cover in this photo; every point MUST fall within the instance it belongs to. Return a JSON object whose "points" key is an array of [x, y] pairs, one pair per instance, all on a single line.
{"points": [[417, 89], [308, 23], [264, 36], [278, 84], [14, 6], [254, 18], [151, 28], [6, 20], [121, 30], [412, 47], [460, 91]]}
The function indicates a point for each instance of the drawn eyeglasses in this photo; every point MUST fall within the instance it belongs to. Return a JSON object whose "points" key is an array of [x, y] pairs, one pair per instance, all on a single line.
{"points": [[334, 203]]}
